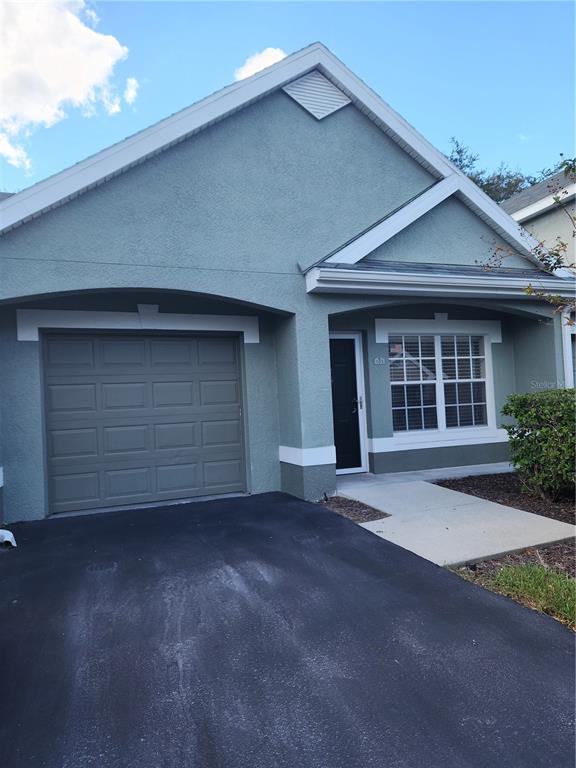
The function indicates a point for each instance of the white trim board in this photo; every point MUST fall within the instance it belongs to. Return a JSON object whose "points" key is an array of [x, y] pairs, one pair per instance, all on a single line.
{"points": [[435, 439], [439, 325], [30, 321], [381, 233], [333, 280], [307, 457], [94, 170], [568, 331]]}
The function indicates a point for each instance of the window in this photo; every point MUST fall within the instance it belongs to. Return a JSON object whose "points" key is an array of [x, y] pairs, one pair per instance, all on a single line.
{"points": [[438, 382]]}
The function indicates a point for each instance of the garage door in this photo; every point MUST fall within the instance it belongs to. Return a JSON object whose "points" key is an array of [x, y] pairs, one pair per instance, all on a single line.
{"points": [[135, 419]]}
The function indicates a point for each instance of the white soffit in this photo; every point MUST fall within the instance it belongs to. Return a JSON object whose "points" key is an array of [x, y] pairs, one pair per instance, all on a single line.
{"points": [[317, 95]]}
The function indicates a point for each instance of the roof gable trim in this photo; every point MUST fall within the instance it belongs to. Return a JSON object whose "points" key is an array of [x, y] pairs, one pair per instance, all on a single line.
{"points": [[359, 248], [94, 170]]}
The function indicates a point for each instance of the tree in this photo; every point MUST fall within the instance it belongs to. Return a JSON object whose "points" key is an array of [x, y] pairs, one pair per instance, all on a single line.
{"points": [[501, 183]]}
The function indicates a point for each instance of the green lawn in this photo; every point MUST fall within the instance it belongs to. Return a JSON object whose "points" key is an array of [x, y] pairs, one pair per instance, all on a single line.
{"points": [[540, 588]]}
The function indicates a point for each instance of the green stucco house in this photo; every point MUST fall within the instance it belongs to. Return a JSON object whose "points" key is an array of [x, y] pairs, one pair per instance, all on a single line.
{"points": [[278, 284]]}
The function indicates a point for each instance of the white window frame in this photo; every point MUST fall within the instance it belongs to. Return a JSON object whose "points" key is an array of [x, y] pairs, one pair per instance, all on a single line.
{"points": [[444, 436]]}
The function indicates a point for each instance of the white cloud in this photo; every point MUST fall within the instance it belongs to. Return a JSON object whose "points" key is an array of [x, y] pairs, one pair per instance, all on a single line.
{"points": [[52, 61], [92, 16], [131, 90], [259, 61], [12, 154], [523, 137]]}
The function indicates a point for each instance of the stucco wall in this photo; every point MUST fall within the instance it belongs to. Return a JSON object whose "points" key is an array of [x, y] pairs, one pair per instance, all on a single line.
{"points": [[553, 224], [258, 193], [448, 234], [229, 213]]}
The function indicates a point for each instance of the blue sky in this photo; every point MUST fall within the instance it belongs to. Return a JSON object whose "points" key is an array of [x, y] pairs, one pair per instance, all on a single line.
{"points": [[498, 75]]}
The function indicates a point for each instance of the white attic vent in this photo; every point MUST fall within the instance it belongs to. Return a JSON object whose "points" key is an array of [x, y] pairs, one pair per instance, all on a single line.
{"points": [[317, 94]]}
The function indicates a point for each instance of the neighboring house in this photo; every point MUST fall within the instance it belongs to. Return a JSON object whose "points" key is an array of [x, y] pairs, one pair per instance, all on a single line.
{"points": [[277, 284], [538, 212], [537, 209]]}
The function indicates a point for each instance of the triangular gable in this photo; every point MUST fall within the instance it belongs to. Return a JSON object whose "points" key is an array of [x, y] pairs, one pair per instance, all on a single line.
{"points": [[450, 233], [84, 175]]}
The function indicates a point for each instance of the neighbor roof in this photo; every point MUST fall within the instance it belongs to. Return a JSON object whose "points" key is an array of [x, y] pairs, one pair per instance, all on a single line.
{"points": [[536, 192], [98, 168]]}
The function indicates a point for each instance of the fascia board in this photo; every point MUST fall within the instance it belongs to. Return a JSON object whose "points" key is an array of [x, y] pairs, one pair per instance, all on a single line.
{"points": [[356, 281], [543, 205]]}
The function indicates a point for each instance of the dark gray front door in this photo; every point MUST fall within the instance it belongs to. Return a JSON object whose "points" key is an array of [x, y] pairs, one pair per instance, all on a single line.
{"points": [[139, 419], [345, 403]]}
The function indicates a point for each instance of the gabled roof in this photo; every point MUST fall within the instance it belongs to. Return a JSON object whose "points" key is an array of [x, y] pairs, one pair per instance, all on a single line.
{"points": [[539, 197], [104, 165], [534, 193]]}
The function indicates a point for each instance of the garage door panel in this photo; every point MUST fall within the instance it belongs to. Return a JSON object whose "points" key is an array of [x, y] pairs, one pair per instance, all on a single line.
{"points": [[78, 489], [219, 393], [179, 477], [126, 439], [130, 481], [68, 443], [219, 473], [167, 353], [219, 353], [179, 435], [123, 353], [173, 394], [142, 419], [64, 353], [71, 397], [124, 395], [225, 432]]}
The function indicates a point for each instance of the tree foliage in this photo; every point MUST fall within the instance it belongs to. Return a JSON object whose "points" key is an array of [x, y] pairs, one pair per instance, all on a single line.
{"points": [[501, 183]]}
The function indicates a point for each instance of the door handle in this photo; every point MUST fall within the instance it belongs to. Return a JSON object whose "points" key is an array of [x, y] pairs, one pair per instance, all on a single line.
{"points": [[359, 402]]}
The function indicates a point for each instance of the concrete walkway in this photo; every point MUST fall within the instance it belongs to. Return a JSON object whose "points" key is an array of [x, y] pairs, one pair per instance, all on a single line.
{"points": [[444, 526]]}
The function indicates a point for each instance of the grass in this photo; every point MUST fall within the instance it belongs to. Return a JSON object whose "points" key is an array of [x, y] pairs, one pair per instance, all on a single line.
{"points": [[551, 592]]}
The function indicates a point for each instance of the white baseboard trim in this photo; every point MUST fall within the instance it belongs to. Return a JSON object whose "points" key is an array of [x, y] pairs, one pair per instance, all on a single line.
{"points": [[397, 443], [307, 457], [30, 321]]}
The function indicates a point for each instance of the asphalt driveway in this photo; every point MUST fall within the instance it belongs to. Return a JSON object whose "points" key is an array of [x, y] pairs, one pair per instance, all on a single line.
{"points": [[265, 632]]}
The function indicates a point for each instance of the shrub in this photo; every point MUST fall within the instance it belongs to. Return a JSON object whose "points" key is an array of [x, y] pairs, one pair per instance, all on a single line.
{"points": [[543, 441]]}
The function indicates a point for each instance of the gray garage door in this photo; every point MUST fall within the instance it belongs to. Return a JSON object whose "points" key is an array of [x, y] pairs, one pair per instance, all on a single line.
{"points": [[135, 419]]}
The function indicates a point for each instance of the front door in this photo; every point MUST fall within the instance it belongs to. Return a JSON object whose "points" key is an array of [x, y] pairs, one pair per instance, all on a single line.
{"points": [[347, 404]]}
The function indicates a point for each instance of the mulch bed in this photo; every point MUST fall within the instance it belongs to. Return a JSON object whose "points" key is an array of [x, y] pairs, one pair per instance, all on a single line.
{"points": [[557, 557], [507, 489], [353, 510]]}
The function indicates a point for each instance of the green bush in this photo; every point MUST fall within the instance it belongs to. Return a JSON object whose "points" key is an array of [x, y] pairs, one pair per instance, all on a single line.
{"points": [[543, 439]]}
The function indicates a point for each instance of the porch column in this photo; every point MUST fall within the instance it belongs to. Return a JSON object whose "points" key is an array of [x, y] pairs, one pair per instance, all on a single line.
{"points": [[307, 454]]}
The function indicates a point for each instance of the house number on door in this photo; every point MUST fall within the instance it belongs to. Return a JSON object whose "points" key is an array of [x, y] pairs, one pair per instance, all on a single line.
{"points": [[380, 361]]}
